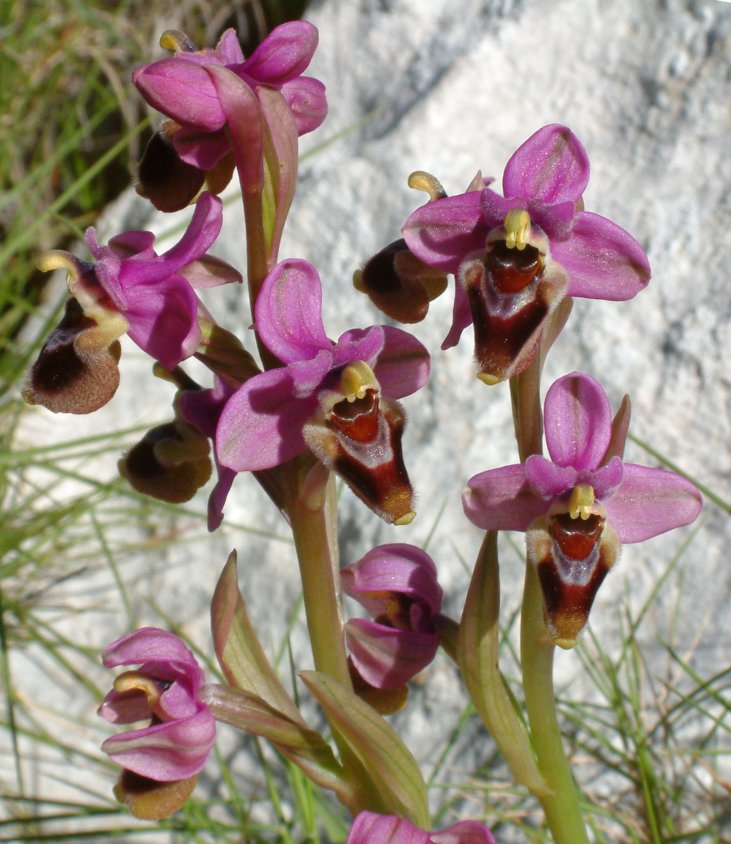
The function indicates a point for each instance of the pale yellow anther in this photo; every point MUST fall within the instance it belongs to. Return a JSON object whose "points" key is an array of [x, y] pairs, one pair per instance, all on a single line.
{"points": [[357, 378], [57, 260], [581, 501], [135, 681], [421, 180], [517, 228]]}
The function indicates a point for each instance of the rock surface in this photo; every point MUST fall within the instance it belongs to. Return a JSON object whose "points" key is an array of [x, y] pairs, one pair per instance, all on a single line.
{"points": [[453, 87]]}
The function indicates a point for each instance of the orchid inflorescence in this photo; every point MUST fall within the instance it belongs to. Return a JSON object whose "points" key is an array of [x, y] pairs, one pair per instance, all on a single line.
{"points": [[312, 409]]}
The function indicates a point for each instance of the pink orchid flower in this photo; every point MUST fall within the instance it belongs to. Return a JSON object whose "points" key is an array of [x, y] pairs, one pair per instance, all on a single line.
{"points": [[398, 586], [337, 399], [187, 87], [371, 828], [578, 506], [518, 255], [165, 689]]}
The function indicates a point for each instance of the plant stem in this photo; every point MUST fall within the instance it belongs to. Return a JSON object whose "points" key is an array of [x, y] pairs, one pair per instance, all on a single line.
{"points": [[313, 527], [561, 806]]}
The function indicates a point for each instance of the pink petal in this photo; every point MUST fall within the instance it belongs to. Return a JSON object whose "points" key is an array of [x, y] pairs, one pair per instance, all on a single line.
{"points": [[125, 707], [147, 644], [168, 751], [502, 499], [289, 312], [284, 54], [403, 366], [261, 424], [229, 49], [464, 832], [307, 101], [163, 320], [461, 317], [442, 232], [370, 828], [218, 496], [547, 479], [551, 166], [602, 260], [183, 91], [201, 149], [364, 344], [385, 657], [650, 502], [577, 421], [209, 271], [133, 243], [201, 234], [396, 567]]}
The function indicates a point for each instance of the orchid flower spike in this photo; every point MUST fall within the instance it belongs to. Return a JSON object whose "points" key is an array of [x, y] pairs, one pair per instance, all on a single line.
{"points": [[517, 256], [165, 689], [579, 506], [371, 828], [337, 399], [398, 586], [204, 91], [128, 289]]}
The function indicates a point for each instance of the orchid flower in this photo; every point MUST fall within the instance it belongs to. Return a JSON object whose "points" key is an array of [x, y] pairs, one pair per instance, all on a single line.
{"points": [[581, 505], [195, 89], [334, 398], [128, 289], [517, 256], [165, 689], [398, 586], [371, 828]]}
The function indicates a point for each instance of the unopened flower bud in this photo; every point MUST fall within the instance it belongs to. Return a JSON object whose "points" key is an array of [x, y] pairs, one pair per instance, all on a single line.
{"points": [[399, 283]]}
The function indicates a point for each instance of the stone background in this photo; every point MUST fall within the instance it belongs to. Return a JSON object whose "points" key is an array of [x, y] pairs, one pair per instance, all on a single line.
{"points": [[450, 86]]}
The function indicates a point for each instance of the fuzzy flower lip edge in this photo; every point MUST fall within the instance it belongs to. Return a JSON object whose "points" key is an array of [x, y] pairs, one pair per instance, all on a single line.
{"points": [[640, 501], [165, 689], [546, 175], [372, 828], [261, 425], [397, 584]]}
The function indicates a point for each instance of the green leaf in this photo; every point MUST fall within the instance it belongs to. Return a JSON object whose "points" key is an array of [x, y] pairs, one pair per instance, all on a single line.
{"points": [[477, 655], [302, 745], [238, 649], [399, 785]]}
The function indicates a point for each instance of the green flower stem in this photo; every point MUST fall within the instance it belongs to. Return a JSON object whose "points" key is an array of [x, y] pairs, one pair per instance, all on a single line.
{"points": [[312, 519], [561, 803], [561, 806]]}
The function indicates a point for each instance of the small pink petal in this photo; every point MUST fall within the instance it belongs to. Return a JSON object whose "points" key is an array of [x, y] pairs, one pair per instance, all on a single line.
{"points": [[650, 502], [289, 312], [404, 364], [464, 832], [229, 48], [551, 166], [209, 271], [168, 751], [461, 317], [284, 54], [183, 91], [307, 101], [602, 260], [370, 828], [502, 499], [444, 231], [385, 657], [261, 424], [547, 479], [577, 421], [146, 645], [396, 567]]}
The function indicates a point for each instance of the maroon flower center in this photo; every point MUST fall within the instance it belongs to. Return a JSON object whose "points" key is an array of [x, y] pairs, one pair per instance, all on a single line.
{"points": [[512, 270]]}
